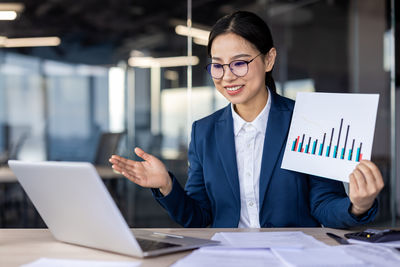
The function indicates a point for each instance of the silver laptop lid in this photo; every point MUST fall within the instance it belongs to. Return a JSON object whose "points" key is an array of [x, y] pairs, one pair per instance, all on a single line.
{"points": [[75, 205]]}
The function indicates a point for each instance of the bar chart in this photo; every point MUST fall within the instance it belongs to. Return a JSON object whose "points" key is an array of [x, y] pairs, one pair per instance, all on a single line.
{"points": [[300, 144], [330, 134]]}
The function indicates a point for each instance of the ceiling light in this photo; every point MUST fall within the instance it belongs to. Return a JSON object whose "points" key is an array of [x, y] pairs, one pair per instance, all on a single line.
{"points": [[200, 41], [148, 62], [194, 32], [9, 11], [8, 15], [17, 7], [30, 42]]}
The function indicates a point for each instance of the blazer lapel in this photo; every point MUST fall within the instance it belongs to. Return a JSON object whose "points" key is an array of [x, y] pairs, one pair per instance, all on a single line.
{"points": [[225, 141], [275, 136]]}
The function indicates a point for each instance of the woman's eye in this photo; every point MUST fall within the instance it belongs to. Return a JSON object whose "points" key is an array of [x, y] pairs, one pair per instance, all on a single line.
{"points": [[217, 66], [239, 63]]}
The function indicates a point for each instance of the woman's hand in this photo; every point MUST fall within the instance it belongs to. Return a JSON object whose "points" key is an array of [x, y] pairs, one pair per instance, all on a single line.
{"points": [[365, 184], [148, 173]]}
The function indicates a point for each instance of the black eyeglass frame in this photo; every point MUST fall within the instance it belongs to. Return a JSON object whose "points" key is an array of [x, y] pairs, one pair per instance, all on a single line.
{"points": [[229, 65]]}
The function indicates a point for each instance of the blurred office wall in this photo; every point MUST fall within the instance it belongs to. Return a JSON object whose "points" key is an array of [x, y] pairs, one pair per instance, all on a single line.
{"points": [[53, 107]]}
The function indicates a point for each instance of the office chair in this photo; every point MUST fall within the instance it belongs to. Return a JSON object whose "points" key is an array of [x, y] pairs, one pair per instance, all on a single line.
{"points": [[107, 145]]}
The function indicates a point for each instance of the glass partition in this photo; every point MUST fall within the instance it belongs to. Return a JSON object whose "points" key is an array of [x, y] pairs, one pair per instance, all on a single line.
{"points": [[52, 109]]}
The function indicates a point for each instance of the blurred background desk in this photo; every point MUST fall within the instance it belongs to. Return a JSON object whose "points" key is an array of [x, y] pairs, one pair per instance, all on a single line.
{"points": [[21, 246]]}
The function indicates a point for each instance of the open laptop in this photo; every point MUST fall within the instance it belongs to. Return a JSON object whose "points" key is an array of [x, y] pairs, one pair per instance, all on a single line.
{"points": [[78, 209]]}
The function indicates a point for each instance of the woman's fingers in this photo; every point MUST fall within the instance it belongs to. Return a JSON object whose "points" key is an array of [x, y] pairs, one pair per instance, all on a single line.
{"points": [[365, 184], [142, 154], [374, 171], [353, 183]]}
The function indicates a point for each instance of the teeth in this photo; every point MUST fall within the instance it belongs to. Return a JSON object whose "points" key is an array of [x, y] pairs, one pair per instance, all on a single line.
{"points": [[233, 88]]}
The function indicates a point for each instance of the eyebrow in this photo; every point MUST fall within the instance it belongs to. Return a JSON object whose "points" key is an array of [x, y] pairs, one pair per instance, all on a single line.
{"points": [[234, 57]]}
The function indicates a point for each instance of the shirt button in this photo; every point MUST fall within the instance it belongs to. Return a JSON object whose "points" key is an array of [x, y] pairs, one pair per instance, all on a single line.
{"points": [[248, 145], [248, 174], [251, 204]]}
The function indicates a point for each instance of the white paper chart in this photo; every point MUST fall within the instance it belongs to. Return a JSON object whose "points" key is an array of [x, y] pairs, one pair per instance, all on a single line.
{"points": [[330, 133]]}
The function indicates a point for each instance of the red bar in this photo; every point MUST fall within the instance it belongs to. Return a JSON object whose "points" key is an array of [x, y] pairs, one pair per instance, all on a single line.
{"points": [[297, 143], [302, 150], [360, 156]]}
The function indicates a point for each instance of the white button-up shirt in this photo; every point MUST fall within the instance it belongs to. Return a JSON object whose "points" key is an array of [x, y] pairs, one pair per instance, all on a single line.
{"points": [[249, 142]]}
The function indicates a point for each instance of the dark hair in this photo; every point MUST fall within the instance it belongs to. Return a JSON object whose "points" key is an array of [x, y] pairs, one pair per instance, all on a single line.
{"points": [[252, 28]]}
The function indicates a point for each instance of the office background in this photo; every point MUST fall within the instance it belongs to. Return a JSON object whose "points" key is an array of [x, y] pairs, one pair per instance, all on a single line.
{"points": [[115, 79]]}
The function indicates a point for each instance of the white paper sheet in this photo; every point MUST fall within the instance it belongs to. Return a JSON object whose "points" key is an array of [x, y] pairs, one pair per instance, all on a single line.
{"points": [[222, 257], [376, 256], [317, 115], [47, 262], [292, 239], [313, 257]]}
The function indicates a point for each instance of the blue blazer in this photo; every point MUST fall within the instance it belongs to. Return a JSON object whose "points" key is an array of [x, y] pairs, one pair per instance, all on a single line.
{"points": [[287, 199]]}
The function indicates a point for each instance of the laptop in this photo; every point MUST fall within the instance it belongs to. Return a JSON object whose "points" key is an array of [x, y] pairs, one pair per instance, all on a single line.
{"points": [[78, 209]]}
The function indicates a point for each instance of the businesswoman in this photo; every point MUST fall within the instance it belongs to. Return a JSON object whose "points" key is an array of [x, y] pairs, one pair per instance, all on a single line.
{"points": [[235, 154]]}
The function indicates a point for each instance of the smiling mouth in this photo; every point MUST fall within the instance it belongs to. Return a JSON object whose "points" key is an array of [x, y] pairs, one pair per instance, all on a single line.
{"points": [[233, 90]]}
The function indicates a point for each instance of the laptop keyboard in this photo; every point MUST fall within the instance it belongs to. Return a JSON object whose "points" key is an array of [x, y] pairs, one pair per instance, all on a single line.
{"points": [[149, 245]]}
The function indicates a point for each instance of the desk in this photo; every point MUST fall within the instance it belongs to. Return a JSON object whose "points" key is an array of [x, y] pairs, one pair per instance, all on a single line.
{"points": [[20, 246]]}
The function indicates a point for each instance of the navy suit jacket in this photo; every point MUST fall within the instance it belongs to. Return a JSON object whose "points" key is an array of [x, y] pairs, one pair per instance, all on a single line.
{"points": [[287, 198]]}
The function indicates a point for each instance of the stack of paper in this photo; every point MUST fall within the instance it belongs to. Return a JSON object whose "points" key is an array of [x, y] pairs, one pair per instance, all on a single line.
{"points": [[286, 249], [268, 240]]}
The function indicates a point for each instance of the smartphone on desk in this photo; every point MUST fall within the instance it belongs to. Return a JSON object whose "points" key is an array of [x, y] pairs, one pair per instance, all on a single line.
{"points": [[375, 236]]}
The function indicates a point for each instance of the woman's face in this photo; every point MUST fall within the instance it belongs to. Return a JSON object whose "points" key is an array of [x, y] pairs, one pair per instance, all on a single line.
{"points": [[244, 90]]}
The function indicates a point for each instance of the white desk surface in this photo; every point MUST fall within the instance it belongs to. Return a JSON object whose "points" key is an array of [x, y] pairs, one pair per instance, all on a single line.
{"points": [[21, 246]]}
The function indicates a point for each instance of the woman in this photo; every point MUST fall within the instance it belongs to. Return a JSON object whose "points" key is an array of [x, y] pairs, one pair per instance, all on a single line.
{"points": [[235, 154]]}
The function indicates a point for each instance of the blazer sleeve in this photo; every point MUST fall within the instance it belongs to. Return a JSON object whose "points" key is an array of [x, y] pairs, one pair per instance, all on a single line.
{"points": [[190, 207], [330, 205]]}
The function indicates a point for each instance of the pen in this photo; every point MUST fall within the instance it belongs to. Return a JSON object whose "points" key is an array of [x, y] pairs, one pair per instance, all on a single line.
{"points": [[338, 239]]}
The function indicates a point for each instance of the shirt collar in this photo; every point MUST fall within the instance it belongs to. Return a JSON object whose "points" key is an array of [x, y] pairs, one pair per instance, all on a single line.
{"points": [[260, 122]]}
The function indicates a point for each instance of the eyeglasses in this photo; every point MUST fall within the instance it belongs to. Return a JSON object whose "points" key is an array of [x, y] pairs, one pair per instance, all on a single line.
{"points": [[238, 67]]}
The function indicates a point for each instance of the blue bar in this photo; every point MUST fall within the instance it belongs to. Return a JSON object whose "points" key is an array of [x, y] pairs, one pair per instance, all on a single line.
{"points": [[350, 154], [299, 150], [313, 148], [358, 155], [320, 150], [294, 144], [334, 152], [327, 151], [342, 156], [305, 151]]}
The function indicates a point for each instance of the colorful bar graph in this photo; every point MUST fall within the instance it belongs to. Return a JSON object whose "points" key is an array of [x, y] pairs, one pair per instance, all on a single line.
{"points": [[328, 151], [308, 146], [314, 146], [321, 149], [338, 140], [345, 142], [359, 155], [311, 148]]}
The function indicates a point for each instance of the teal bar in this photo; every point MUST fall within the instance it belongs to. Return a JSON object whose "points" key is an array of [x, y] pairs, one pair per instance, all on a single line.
{"points": [[334, 152], [358, 155], [313, 148], [300, 145], [305, 151], [327, 151], [294, 144], [342, 156], [320, 150], [350, 154]]}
